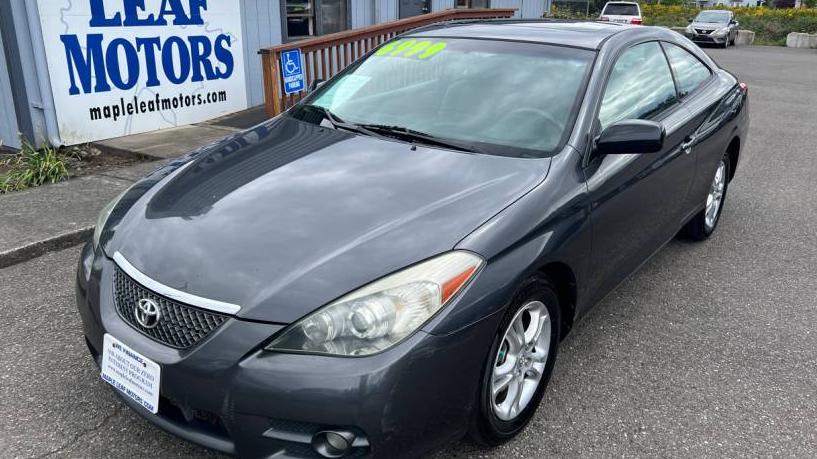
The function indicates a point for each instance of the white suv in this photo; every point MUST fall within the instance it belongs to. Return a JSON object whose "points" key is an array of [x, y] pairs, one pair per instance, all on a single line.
{"points": [[623, 12]]}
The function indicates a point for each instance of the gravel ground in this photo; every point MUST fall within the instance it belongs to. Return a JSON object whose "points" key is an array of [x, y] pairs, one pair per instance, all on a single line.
{"points": [[709, 350]]}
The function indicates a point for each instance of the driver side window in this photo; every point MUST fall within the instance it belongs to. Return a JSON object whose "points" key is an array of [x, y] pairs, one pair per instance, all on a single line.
{"points": [[640, 86]]}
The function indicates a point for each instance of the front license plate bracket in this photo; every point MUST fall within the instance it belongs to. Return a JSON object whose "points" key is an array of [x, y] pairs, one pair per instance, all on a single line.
{"points": [[131, 373]]}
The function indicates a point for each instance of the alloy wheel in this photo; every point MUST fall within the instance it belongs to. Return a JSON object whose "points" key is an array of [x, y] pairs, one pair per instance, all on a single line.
{"points": [[520, 360], [715, 197]]}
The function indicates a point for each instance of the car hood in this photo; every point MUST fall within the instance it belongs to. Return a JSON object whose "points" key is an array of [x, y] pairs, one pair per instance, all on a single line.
{"points": [[286, 217]]}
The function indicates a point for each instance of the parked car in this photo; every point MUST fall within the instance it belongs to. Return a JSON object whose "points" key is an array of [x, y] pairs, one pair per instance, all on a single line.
{"points": [[394, 261], [717, 27], [621, 12]]}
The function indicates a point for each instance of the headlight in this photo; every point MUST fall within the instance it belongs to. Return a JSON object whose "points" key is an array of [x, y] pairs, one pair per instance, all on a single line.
{"points": [[87, 263], [383, 313], [721, 31], [690, 29], [103, 217]]}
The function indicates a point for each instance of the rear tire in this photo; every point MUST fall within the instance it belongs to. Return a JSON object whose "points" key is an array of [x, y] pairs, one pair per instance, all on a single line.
{"points": [[510, 390], [706, 221]]}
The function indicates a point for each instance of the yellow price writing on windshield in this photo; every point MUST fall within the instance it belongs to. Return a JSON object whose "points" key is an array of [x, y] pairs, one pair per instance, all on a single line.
{"points": [[422, 49]]}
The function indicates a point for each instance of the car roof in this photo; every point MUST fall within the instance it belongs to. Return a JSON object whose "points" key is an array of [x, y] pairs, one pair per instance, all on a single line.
{"points": [[579, 34], [716, 11], [621, 3]]}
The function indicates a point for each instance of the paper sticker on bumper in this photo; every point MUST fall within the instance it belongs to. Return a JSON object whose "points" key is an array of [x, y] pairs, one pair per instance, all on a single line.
{"points": [[131, 373]]}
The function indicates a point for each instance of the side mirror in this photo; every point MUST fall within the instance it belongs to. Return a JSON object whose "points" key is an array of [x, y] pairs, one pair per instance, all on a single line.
{"points": [[631, 136], [316, 83], [690, 20], [735, 23]]}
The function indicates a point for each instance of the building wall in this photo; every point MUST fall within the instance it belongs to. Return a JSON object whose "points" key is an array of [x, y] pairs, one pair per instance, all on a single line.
{"points": [[8, 120], [385, 10], [437, 5], [361, 13], [261, 23], [533, 9], [528, 9], [27, 72]]}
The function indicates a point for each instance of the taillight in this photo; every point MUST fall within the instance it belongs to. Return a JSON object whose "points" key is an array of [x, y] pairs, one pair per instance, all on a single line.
{"points": [[604, 18], [635, 21], [744, 88]]}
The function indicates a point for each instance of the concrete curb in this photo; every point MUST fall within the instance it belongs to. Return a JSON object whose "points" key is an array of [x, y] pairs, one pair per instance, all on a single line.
{"points": [[40, 248], [113, 150], [745, 38], [801, 40]]}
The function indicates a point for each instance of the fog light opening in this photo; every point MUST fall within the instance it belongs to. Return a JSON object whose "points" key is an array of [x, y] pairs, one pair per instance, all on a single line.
{"points": [[331, 443]]}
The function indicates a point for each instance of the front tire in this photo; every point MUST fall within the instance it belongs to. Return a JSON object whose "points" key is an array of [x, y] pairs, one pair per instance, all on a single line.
{"points": [[706, 221], [519, 364]]}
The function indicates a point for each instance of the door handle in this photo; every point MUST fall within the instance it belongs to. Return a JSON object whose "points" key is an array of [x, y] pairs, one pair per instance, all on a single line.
{"points": [[686, 146]]}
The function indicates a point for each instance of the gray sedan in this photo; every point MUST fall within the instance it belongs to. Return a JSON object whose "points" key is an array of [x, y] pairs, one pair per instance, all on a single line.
{"points": [[717, 27]]}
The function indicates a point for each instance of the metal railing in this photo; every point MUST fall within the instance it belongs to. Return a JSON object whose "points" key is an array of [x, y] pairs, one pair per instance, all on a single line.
{"points": [[327, 55]]}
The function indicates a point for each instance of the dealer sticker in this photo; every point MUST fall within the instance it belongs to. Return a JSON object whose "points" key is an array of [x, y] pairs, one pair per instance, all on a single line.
{"points": [[131, 373]]}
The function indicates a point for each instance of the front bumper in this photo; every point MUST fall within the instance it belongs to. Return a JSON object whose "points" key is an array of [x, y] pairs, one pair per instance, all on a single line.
{"points": [[229, 395], [707, 38]]}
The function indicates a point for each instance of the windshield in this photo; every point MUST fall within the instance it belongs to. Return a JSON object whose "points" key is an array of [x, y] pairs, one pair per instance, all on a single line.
{"points": [[712, 16], [502, 97], [621, 9]]}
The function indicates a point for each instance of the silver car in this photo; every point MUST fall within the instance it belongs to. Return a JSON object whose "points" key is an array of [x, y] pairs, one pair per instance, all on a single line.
{"points": [[717, 27]]}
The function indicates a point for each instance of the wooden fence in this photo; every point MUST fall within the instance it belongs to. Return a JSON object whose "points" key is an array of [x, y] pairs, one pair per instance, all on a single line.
{"points": [[327, 55]]}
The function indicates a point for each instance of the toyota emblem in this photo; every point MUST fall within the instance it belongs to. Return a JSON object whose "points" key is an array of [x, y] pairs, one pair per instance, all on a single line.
{"points": [[147, 313]]}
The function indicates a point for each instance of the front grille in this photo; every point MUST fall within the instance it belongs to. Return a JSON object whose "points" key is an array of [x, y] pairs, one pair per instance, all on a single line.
{"points": [[180, 326], [703, 32]]}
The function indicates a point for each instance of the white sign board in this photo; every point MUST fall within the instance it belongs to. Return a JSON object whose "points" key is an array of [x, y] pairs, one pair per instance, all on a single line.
{"points": [[120, 67], [130, 372]]}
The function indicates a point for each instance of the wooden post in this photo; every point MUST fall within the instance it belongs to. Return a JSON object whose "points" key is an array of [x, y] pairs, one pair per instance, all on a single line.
{"points": [[273, 92]]}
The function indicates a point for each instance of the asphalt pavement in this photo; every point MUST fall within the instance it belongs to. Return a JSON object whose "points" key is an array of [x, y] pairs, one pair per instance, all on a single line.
{"points": [[710, 350]]}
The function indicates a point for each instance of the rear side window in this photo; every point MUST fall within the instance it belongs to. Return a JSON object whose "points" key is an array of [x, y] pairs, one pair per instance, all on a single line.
{"points": [[621, 9], [689, 71], [640, 86]]}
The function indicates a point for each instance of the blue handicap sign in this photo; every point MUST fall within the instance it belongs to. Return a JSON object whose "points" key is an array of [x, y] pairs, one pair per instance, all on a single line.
{"points": [[293, 71]]}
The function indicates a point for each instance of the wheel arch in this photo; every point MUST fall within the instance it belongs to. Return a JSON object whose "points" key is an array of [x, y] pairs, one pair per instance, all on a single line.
{"points": [[564, 281], [733, 150]]}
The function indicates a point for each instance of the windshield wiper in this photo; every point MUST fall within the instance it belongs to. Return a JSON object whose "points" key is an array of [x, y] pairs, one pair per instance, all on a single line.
{"points": [[417, 136], [382, 130], [338, 123]]}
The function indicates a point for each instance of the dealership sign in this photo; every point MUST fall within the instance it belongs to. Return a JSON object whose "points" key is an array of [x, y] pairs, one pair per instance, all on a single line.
{"points": [[120, 67]]}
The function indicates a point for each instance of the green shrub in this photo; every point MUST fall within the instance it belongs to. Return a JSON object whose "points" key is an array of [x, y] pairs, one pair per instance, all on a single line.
{"points": [[32, 167]]}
